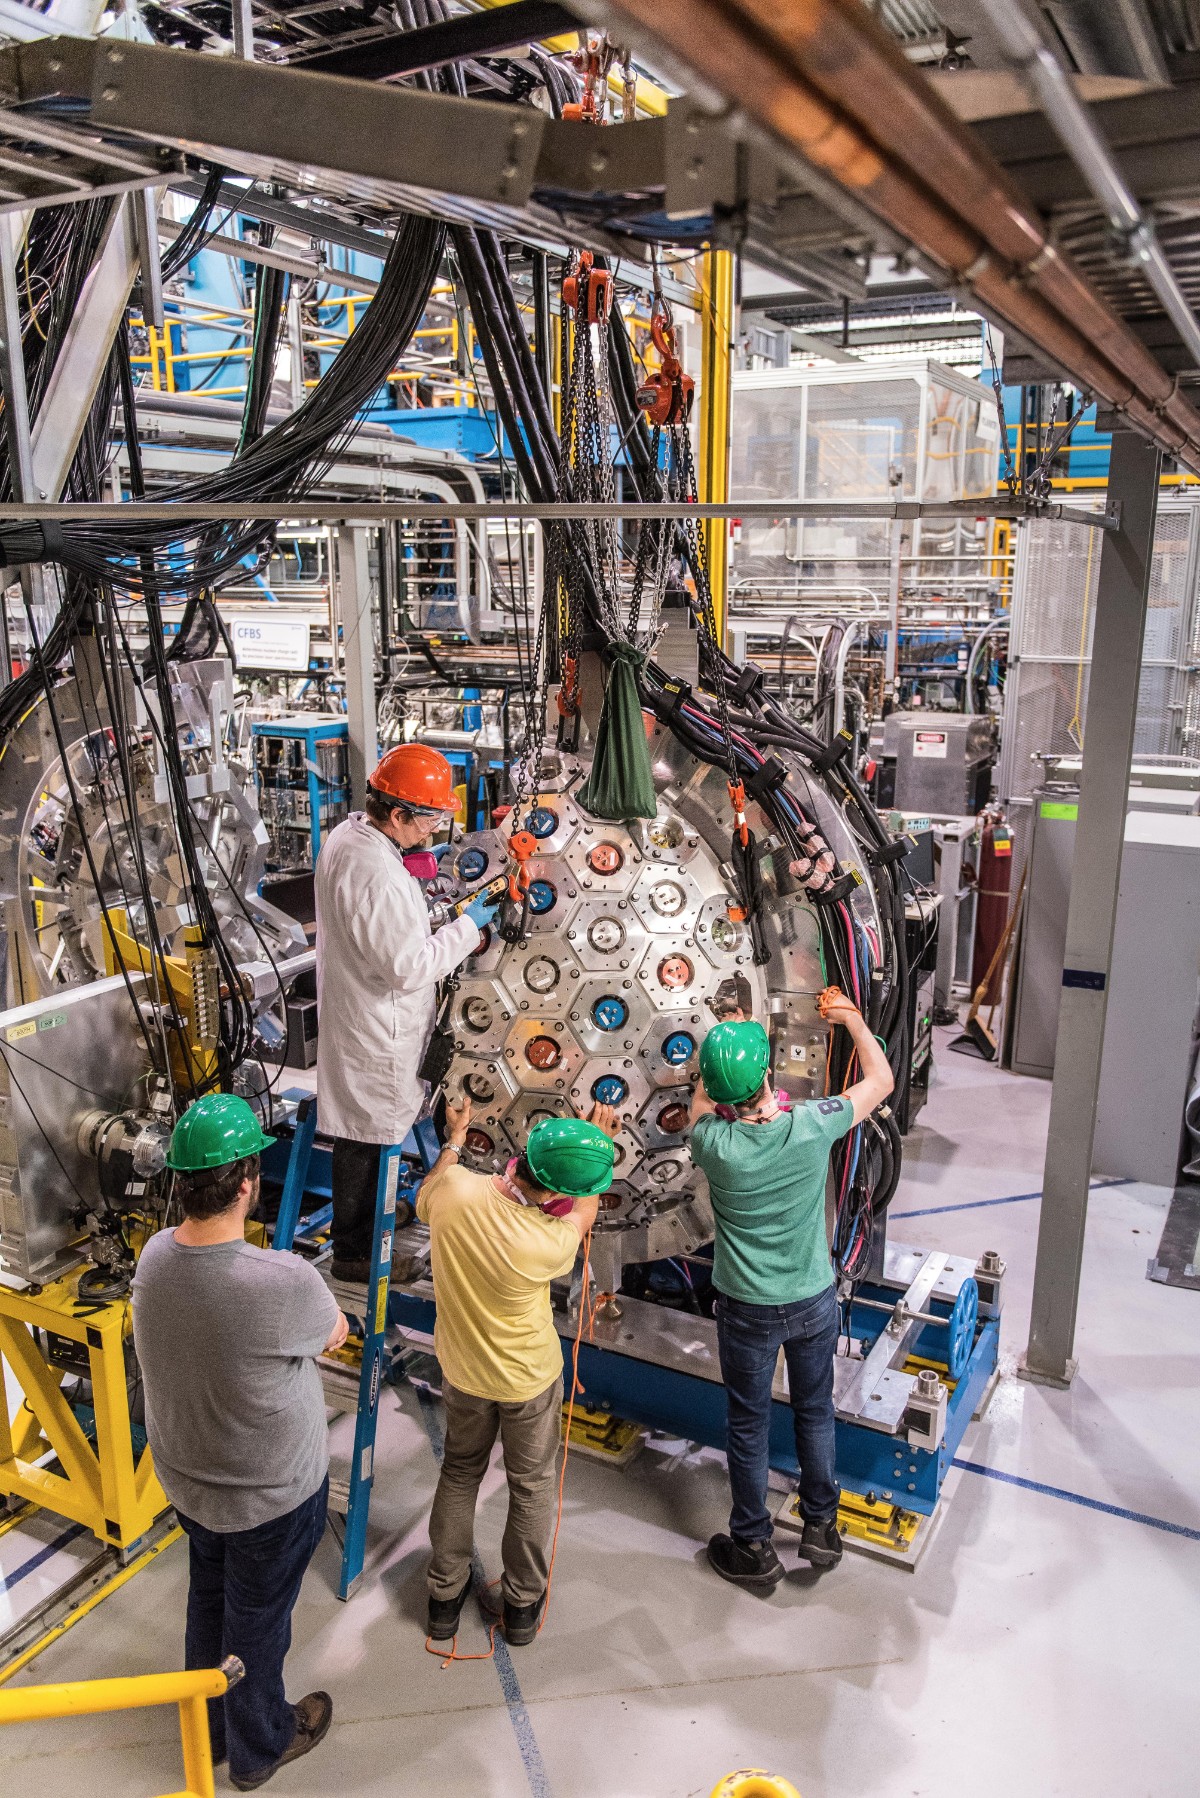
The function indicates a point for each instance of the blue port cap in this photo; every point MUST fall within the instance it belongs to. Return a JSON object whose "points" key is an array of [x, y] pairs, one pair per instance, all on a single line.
{"points": [[610, 1089], [471, 864], [542, 821], [678, 1048], [541, 896], [609, 1013]]}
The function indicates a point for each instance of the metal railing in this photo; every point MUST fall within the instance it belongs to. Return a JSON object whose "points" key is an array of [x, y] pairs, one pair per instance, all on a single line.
{"points": [[85, 1698]]}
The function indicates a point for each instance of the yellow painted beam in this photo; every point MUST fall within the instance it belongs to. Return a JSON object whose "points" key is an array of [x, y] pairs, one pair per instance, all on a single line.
{"points": [[716, 374]]}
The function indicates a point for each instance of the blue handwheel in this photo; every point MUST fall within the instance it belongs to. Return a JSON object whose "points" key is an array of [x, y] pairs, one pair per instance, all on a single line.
{"points": [[961, 1325]]}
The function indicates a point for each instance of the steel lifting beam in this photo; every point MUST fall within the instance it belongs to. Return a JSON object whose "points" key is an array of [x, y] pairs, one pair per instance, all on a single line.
{"points": [[484, 33], [403, 136], [716, 388], [1121, 596]]}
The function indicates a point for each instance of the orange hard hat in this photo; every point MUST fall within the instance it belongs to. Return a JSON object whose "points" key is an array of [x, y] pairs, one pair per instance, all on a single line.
{"points": [[415, 776]]}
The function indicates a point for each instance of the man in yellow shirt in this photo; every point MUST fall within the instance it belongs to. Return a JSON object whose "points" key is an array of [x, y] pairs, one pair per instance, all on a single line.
{"points": [[497, 1241]]}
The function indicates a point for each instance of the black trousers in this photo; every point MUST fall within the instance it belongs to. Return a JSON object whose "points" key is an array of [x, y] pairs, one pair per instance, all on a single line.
{"points": [[355, 1185]]}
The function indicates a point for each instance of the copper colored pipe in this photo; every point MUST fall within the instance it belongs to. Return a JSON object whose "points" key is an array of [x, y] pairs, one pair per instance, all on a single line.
{"points": [[820, 76]]}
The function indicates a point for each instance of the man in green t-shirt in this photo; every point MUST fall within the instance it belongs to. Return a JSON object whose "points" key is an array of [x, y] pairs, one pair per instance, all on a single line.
{"points": [[767, 1172]]}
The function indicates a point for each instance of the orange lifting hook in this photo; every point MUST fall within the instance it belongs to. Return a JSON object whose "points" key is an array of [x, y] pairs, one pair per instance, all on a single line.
{"points": [[521, 845], [666, 397]]}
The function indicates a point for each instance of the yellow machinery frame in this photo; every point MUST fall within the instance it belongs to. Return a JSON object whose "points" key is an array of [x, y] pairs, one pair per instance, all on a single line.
{"points": [[716, 372], [101, 1485], [84, 1698]]}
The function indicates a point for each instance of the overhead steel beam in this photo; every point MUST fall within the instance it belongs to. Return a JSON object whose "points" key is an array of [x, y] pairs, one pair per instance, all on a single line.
{"points": [[457, 39], [339, 511], [823, 79]]}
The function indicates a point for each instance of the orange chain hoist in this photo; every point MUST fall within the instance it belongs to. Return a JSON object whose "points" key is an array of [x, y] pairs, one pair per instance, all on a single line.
{"points": [[666, 396], [587, 291], [521, 845]]}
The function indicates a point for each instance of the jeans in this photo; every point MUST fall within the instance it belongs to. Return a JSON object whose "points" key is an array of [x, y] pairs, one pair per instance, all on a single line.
{"points": [[530, 1434], [749, 1338], [244, 1586], [355, 1186]]}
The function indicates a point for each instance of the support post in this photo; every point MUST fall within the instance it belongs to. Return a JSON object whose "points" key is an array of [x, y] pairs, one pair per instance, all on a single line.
{"points": [[891, 654], [1125, 560], [716, 370], [358, 655], [243, 29], [17, 431]]}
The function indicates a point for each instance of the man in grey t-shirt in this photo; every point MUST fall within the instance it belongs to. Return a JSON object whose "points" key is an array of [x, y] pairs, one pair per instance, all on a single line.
{"points": [[227, 1337]]}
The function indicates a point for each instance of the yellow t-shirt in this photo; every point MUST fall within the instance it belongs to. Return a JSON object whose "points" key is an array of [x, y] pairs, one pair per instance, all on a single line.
{"points": [[493, 1261]]}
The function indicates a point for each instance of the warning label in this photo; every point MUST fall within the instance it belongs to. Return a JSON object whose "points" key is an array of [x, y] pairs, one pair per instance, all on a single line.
{"points": [[930, 743]]}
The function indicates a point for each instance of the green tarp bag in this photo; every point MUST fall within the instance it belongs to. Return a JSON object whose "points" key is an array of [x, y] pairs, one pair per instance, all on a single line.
{"points": [[621, 783]]}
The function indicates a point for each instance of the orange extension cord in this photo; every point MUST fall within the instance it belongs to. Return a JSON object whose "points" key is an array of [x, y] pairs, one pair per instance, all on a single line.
{"points": [[587, 1314]]}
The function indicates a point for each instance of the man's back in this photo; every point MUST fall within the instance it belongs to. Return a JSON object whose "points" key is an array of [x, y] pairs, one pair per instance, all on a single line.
{"points": [[493, 1261], [767, 1184], [226, 1336]]}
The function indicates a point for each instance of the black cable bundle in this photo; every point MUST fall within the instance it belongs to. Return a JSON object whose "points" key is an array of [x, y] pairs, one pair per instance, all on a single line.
{"points": [[282, 465], [270, 299]]}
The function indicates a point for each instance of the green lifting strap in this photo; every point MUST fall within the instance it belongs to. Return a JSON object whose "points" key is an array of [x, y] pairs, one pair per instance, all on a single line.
{"points": [[621, 783]]}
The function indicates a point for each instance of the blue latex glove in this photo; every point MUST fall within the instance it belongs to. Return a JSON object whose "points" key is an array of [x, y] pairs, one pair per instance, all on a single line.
{"points": [[482, 911]]}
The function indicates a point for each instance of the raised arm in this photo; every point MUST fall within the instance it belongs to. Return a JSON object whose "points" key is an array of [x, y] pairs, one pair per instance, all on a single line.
{"points": [[877, 1080]]}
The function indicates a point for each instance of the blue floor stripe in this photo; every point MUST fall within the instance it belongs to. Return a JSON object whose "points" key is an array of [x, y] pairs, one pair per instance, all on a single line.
{"points": [[9, 1580], [510, 1685], [1077, 1498], [1013, 1198]]}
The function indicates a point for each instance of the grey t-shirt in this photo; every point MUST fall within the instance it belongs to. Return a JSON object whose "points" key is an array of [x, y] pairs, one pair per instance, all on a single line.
{"points": [[226, 1338]]}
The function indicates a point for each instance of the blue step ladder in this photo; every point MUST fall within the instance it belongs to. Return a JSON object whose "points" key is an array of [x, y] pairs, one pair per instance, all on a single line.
{"points": [[421, 1143]]}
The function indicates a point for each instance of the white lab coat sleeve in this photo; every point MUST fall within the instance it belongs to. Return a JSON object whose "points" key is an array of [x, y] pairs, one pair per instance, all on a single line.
{"points": [[382, 927]]}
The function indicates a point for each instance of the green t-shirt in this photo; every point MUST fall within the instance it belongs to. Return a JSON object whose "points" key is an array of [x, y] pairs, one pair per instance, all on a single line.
{"points": [[768, 1197]]}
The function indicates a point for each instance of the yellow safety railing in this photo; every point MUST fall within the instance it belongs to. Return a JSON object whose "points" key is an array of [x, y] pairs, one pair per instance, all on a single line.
{"points": [[190, 1691]]}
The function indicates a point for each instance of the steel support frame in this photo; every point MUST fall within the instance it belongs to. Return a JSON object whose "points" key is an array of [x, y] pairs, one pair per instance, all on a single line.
{"points": [[357, 618], [1120, 618]]}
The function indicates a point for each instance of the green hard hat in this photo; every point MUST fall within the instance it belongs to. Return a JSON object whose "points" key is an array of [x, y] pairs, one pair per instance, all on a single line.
{"points": [[217, 1129], [734, 1058], [570, 1156]]}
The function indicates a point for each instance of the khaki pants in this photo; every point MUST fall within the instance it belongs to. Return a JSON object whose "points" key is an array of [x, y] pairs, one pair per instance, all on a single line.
{"points": [[530, 1434]]}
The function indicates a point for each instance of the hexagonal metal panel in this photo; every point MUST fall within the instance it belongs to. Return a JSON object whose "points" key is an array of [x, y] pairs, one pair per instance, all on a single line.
{"points": [[480, 1016], [594, 1011], [605, 857], [529, 1058], [674, 975], [528, 1109], [555, 821], [488, 1085], [611, 1068], [607, 934], [661, 1049], [667, 900], [542, 977], [663, 1120], [553, 889], [726, 943], [799, 1045]]}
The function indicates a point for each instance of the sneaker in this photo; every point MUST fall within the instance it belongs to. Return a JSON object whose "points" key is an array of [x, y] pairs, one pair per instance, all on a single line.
{"points": [[521, 1622], [313, 1714], [444, 1614], [746, 1563], [821, 1543]]}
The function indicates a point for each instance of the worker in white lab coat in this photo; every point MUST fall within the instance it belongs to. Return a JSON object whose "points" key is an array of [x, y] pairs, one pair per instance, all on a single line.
{"points": [[377, 971]]}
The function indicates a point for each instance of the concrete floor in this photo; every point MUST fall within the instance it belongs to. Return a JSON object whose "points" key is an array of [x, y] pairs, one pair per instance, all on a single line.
{"points": [[1045, 1645]]}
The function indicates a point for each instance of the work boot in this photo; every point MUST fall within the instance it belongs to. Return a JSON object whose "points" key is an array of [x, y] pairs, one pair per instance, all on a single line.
{"points": [[753, 1564], [354, 1273], [444, 1614], [821, 1543], [313, 1714], [521, 1622]]}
